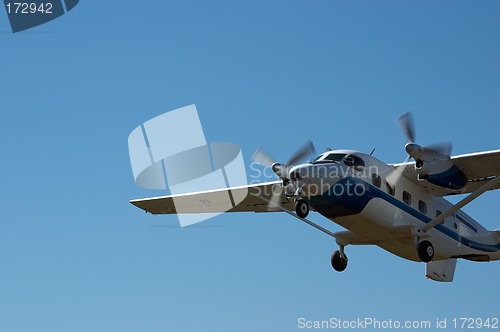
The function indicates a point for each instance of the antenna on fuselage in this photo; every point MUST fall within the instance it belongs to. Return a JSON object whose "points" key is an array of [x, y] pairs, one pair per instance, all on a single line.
{"points": [[372, 151], [328, 149]]}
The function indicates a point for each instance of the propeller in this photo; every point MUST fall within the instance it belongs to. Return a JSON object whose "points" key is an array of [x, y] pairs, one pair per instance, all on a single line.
{"points": [[304, 151], [264, 158], [406, 123], [414, 150], [443, 148], [408, 127]]}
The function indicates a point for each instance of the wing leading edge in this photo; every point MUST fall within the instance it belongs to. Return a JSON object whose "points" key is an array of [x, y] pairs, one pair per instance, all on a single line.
{"points": [[216, 201]]}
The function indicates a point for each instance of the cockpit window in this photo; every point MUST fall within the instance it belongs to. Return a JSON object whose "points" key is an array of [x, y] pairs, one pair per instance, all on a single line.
{"points": [[318, 158], [335, 156], [354, 161], [329, 157]]}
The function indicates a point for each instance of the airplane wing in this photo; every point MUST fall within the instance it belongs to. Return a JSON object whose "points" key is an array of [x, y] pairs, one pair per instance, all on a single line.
{"points": [[479, 168], [479, 165], [219, 200]]}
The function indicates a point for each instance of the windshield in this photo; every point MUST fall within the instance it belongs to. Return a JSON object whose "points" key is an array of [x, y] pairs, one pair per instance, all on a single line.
{"points": [[329, 157]]}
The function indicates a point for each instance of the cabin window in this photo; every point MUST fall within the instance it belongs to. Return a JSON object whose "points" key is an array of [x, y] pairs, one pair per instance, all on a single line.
{"points": [[376, 180], [390, 189], [455, 225], [422, 206], [406, 197]]}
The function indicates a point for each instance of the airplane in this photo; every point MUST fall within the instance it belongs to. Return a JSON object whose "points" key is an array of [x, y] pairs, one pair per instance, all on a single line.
{"points": [[398, 207]]}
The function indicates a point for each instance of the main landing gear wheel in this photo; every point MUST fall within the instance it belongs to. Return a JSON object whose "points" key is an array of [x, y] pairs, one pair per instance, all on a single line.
{"points": [[425, 251], [302, 208], [339, 263]]}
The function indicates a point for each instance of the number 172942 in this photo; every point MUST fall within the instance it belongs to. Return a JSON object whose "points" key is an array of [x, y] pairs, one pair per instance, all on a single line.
{"points": [[475, 323], [28, 8]]}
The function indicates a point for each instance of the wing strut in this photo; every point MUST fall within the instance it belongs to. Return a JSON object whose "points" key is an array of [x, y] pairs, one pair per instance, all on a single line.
{"points": [[310, 223], [489, 185]]}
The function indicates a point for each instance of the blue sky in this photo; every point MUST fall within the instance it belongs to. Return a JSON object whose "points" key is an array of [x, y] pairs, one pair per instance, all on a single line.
{"points": [[77, 256]]}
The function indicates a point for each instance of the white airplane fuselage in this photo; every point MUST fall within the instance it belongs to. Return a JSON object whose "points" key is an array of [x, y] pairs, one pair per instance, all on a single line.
{"points": [[376, 202]]}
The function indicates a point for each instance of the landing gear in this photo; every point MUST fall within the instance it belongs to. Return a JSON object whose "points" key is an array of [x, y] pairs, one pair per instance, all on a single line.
{"points": [[302, 208], [339, 260], [425, 251]]}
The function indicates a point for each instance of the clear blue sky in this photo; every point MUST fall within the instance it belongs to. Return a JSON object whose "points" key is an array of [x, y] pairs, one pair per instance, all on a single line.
{"points": [[75, 255]]}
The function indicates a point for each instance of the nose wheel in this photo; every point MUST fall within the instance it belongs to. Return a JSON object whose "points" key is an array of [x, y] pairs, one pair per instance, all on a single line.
{"points": [[302, 208]]}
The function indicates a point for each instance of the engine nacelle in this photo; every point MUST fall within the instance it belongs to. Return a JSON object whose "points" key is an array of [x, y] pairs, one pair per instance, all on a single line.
{"points": [[423, 167], [453, 178], [441, 172], [434, 163]]}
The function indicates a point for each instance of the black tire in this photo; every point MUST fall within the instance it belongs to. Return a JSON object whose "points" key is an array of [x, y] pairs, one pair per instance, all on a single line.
{"points": [[425, 251], [339, 264], [302, 208]]}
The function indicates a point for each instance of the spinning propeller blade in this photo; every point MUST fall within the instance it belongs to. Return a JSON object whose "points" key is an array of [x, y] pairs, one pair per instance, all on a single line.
{"points": [[408, 127], [415, 151], [262, 157], [406, 123], [304, 151], [443, 148]]}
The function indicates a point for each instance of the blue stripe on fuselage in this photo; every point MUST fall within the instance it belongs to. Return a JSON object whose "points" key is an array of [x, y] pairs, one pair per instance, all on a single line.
{"points": [[350, 196], [465, 222]]}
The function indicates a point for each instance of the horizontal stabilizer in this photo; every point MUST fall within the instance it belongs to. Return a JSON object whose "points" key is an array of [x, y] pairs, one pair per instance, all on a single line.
{"points": [[441, 270]]}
